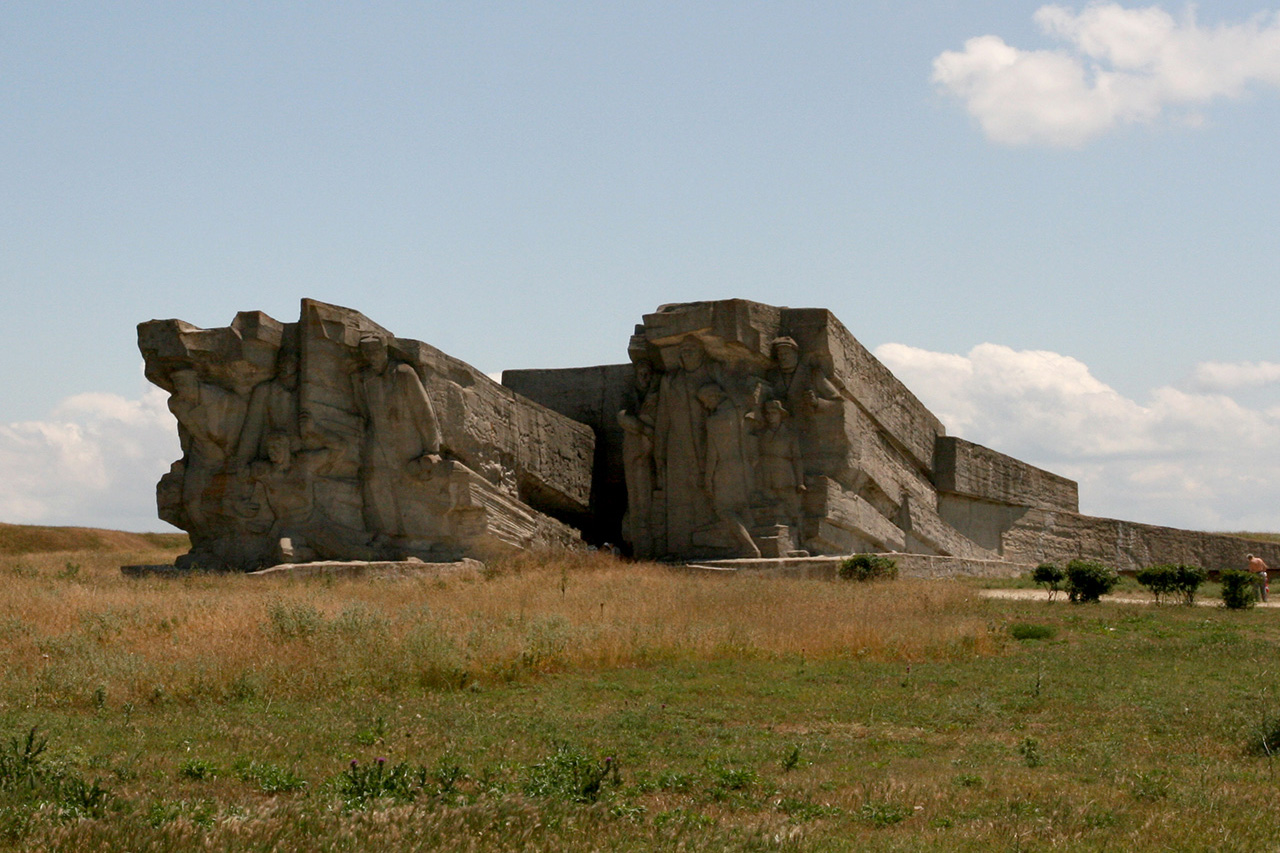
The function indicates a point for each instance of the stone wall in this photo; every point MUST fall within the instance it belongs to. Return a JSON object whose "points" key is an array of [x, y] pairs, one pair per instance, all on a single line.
{"points": [[1047, 536]]}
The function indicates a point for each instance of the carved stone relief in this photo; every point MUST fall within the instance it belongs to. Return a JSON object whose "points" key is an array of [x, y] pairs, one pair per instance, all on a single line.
{"points": [[321, 441]]}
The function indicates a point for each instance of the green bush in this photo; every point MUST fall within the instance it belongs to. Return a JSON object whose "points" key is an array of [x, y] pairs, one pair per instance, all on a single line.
{"points": [[1188, 581], [1168, 580], [1030, 631], [1049, 576], [1160, 579], [1239, 589], [868, 567], [1089, 581]]}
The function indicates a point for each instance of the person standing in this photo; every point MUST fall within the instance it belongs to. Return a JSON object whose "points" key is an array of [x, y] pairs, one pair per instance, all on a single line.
{"points": [[1259, 568]]}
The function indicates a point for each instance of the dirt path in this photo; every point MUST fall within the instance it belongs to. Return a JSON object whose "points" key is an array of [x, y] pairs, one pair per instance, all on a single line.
{"points": [[1036, 594]]}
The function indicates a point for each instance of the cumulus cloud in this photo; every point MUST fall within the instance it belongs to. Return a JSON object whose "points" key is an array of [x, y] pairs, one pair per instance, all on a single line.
{"points": [[1232, 376], [1195, 457], [1117, 66], [94, 462]]}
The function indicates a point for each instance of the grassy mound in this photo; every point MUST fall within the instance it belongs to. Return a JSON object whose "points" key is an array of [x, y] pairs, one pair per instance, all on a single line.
{"points": [[20, 539]]}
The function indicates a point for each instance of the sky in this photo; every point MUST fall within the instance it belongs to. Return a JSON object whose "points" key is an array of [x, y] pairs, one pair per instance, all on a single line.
{"points": [[1059, 225]]}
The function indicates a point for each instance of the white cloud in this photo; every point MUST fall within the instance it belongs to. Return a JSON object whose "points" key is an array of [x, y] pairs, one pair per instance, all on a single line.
{"points": [[1186, 458], [95, 462], [1232, 376], [1118, 66]]}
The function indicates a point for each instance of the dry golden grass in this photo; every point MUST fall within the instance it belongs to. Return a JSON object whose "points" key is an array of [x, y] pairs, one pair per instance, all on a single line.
{"points": [[74, 627], [19, 539]]}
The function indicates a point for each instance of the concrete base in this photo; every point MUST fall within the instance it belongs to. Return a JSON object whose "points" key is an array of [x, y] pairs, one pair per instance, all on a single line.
{"points": [[827, 568], [352, 569]]}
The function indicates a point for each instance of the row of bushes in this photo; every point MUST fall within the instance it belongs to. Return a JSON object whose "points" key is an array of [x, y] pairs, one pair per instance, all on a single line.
{"points": [[1086, 580]]}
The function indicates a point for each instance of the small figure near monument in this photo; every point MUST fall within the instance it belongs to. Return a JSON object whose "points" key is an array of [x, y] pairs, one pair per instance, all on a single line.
{"points": [[401, 436], [781, 468], [728, 471], [1259, 568]]}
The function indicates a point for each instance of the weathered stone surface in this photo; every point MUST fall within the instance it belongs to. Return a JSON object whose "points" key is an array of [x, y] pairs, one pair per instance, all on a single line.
{"points": [[742, 428], [331, 439], [1044, 535], [973, 471]]}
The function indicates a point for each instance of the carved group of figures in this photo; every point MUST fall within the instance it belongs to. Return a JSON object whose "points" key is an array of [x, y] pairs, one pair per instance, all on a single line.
{"points": [[261, 482], [712, 450]]}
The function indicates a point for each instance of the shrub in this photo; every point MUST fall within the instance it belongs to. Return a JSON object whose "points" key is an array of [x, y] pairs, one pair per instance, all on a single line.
{"points": [[1166, 580], [1029, 631], [1187, 581], [1161, 580], [1089, 581], [197, 770], [868, 567], [1265, 738], [1049, 576], [569, 775], [1239, 589]]}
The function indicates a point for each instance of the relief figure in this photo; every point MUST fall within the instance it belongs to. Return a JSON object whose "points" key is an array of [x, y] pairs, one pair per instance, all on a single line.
{"points": [[401, 441], [209, 423], [728, 466], [637, 421], [781, 469], [680, 446]]}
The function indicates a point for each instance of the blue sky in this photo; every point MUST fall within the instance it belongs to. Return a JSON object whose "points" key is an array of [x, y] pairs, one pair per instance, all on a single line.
{"points": [[518, 184]]}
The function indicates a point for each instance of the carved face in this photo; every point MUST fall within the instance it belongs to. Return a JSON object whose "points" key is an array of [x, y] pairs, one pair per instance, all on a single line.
{"points": [[186, 385], [278, 448], [711, 396], [644, 374], [773, 415], [287, 370], [787, 357], [691, 354], [374, 354]]}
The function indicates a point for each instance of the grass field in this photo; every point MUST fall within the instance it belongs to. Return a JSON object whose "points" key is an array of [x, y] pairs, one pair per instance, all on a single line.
{"points": [[579, 703]]}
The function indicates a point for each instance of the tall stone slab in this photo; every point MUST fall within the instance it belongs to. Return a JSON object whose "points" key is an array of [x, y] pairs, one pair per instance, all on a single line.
{"points": [[331, 438], [743, 428]]}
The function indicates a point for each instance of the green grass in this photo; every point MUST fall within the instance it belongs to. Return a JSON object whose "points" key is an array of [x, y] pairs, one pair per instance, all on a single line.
{"points": [[1108, 727]]}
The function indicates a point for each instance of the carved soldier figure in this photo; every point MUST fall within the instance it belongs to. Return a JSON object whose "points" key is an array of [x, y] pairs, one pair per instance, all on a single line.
{"points": [[637, 421], [401, 435], [781, 470], [273, 407], [209, 423], [728, 468], [300, 531], [802, 387], [680, 445]]}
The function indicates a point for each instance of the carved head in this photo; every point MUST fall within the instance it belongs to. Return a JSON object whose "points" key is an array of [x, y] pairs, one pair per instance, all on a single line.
{"points": [[774, 412], [279, 447], [711, 396], [186, 384], [643, 373], [373, 351], [692, 353], [786, 352], [287, 369]]}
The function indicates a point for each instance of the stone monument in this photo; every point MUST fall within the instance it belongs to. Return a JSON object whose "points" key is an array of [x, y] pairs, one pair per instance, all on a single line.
{"points": [[332, 439], [735, 430], [741, 429]]}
